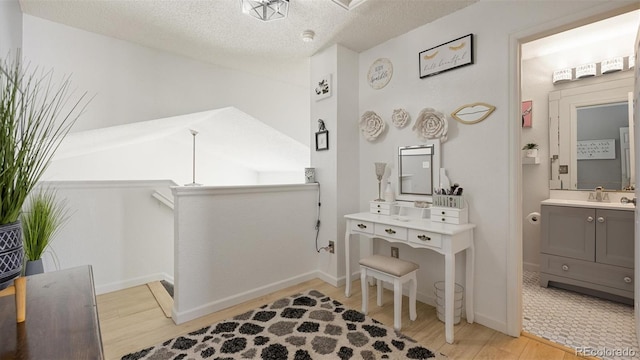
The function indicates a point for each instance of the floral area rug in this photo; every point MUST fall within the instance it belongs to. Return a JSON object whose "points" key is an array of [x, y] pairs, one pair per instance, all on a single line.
{"points": [[303, 326]]}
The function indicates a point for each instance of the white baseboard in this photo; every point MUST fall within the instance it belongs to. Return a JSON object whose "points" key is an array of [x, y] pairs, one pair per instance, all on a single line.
{"points": [[491, 322], [124, 284], [329, 279], [217, 305], [526, 266]]}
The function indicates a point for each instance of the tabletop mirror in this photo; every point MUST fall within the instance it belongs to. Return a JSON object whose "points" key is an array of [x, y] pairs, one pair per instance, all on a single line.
{"points": [[418, 171]]}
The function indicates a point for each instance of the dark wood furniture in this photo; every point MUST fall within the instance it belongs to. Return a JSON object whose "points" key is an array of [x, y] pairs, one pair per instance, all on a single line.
{"points": [[62, 319]]}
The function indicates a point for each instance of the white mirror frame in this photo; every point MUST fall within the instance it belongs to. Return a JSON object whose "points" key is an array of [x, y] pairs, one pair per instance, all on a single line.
{"points": [[563, 104]]}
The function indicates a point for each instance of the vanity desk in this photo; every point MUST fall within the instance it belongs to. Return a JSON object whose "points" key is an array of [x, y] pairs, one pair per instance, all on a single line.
{"points": [[420, 233]]}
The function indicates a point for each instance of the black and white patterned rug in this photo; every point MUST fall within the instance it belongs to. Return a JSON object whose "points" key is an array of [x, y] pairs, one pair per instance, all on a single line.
{"points": [[302, 326]]}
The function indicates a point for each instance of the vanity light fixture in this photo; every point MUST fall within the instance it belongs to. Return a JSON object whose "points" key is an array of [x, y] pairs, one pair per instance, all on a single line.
{"points": [[562, 75], [266, 10], [586, 70], [611, 65]]}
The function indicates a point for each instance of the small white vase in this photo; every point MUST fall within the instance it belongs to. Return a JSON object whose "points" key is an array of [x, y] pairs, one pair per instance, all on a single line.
{"points": [[531, 153], [389, 194]]}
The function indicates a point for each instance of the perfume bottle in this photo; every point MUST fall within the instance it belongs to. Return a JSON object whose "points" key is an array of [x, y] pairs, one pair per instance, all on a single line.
{"points": [[389, 194]]}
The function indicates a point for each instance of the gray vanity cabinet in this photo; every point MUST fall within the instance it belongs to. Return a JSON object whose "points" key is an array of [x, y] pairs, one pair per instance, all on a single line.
{"points": [[589, 248]]}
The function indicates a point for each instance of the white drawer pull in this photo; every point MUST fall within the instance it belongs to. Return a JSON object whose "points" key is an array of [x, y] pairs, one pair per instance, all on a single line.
{"points": [[565, 267], [600, 219], [362, 226], [590, 219], [390, 231], [627, 279], [424, 237]]}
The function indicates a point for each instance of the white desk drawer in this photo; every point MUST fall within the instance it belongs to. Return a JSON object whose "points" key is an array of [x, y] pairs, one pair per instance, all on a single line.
{"points": [[425, 238], [383, 205], [391, 231], [449, 215], [375, 210], [447, 219], [362, 226]]}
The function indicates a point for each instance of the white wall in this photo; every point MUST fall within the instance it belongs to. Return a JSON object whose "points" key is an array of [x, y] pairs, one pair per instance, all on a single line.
{"points": [[536, 85], [133, 83], [10, 27], [118, 228], [336, 168], [237, 243], [475, 156]]}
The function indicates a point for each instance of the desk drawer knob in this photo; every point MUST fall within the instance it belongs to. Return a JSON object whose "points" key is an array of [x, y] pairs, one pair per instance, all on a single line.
{"points": [[424, 238], [362, 226], [565, 267], [443, 213], [390, 231], [627, 279]]}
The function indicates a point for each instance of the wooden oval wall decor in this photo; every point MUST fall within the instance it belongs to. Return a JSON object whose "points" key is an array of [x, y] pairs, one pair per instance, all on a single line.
{"points": [[380, 73]]}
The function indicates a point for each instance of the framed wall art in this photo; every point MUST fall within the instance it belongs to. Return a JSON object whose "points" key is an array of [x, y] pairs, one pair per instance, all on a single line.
{"points": [[448, 56], [380, 73], [322, 140], [322, 88], [527, 116]]}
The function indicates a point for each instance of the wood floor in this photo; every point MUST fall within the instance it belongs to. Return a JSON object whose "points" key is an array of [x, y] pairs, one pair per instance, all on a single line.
{"points": [[131, 319]]}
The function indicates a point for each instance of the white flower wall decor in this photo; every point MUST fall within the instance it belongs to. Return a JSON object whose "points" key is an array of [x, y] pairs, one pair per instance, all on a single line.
{"points": [[371, 125], [431, 124], [400, 118]]}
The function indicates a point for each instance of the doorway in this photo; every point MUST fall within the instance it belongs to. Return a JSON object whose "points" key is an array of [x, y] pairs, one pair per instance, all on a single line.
{"points": [[540, 179]]}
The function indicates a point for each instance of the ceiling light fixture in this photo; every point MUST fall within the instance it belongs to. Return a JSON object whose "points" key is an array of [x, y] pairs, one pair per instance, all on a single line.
{"points": [[266, 10], [308, 35]]}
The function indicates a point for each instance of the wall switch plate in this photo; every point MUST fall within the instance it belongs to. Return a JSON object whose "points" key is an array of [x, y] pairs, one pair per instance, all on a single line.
{"points": [[332, 247], [395, 252]]}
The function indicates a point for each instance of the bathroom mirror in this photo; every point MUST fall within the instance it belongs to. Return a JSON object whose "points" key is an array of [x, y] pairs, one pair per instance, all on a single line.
{"points": [[418, 171], [591, 135]]}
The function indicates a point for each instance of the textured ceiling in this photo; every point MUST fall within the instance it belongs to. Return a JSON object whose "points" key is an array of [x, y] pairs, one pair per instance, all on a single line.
{"points": [[216, 31]]}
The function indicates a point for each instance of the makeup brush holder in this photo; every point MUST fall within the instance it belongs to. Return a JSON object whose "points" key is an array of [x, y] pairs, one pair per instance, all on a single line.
{"points": [[451, 201]]}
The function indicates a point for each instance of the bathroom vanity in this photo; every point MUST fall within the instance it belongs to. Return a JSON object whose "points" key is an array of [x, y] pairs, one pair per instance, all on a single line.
{"points": [[588, 246]]}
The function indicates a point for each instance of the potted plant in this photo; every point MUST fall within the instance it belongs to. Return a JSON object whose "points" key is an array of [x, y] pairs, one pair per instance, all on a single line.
{"points": [[35, 115], [41, 219], [531, 150]]}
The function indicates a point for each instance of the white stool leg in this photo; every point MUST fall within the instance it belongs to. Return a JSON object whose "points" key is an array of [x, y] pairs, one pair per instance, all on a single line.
{"points": [[379, 286], [365, 285], [397, 304], [413, 289]]}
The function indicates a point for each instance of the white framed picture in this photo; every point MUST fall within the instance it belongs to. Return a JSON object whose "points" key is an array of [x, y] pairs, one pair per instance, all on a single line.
{"points": [[322, 88]]}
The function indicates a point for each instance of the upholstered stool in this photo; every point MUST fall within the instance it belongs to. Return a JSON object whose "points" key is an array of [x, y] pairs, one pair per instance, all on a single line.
{"points": [[394, 271]]}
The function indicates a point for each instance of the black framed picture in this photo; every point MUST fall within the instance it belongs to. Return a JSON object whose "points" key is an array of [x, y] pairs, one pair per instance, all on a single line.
{"points": [[447, 56], [322, 140]]}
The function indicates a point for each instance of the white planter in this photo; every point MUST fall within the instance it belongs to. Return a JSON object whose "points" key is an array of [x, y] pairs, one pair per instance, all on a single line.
{"points": [[531, 153]]}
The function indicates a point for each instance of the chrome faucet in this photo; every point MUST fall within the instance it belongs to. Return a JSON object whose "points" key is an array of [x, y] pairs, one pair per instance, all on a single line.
{"points": [[599, 193]]}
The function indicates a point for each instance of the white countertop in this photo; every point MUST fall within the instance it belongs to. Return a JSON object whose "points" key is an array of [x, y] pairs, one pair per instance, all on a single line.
{"points": [[589, 204]]}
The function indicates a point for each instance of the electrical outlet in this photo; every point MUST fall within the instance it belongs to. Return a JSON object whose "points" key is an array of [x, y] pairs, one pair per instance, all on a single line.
{"points": [[332, 247], [395, 252]]}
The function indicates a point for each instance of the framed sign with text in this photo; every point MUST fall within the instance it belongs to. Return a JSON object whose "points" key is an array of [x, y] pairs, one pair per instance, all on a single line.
{"points": [[448, 56]]}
